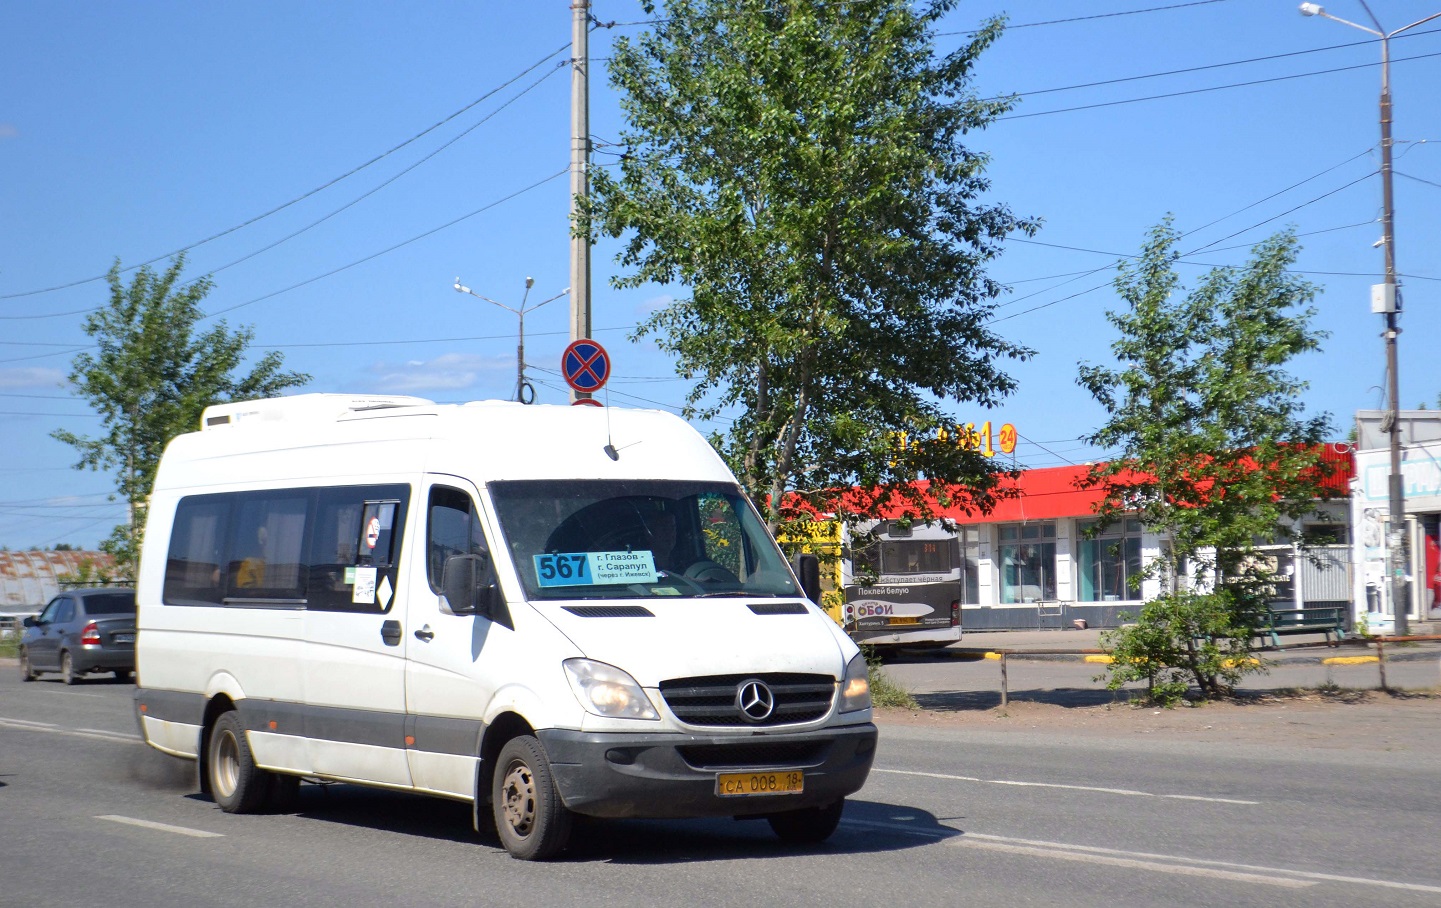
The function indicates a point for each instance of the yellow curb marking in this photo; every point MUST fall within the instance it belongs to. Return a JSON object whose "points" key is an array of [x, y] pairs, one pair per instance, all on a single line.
{"points": [[994, 656], [1101, 660], [1349, 660]]}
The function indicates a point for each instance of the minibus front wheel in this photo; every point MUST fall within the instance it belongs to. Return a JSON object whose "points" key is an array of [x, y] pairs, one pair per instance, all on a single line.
{"points": [[530, 819]]}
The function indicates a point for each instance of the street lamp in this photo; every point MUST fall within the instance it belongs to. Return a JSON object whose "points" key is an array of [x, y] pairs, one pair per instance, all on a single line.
{"points": [[1386, 299], [524, 392]]}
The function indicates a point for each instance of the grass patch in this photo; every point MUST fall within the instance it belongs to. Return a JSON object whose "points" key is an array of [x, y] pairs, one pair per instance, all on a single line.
{"points": [[885, 693], [9, 646]]}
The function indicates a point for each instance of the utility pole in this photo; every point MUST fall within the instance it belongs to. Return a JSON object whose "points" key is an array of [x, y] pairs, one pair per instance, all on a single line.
{"points": [[1386, 299], [579, 173]]}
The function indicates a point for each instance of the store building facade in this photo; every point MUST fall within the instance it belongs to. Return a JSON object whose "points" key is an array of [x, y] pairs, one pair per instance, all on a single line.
{"points": [[1370, 514], [1031, 564]]}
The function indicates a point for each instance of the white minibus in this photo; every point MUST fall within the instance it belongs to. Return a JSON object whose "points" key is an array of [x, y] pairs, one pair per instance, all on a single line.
{"points": [[541, 610]]}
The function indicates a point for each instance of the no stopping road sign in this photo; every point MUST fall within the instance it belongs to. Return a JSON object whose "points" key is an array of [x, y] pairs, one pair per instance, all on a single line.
{"points": [[585, 365]]}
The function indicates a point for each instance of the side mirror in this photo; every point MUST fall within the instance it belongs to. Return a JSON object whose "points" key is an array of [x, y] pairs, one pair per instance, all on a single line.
{"points": [[808, 571], [31, 621], [470, 586]]}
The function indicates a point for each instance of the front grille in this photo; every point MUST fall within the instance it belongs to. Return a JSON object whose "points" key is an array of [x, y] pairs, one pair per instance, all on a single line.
{"points": [[781, 755], [711, 700]]}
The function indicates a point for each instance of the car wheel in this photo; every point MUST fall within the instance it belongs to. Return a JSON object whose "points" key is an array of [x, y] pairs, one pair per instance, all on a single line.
{"points": [[123, 674], [530, 819], [67, 669], [809, 825], [26, 672], [236, 783]]}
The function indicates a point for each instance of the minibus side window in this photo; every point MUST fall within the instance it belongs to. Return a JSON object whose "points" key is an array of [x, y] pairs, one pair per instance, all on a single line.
{"points": [[267, 547], [453, 528], [192, 567], [356, 530]]}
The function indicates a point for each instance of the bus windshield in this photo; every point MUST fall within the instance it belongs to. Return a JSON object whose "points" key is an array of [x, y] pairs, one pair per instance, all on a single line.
{"points": [[609, 539]]}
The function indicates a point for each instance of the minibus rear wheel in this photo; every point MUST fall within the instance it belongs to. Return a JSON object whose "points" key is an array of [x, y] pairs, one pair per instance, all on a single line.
{"points": [[530, 819], [236, 783]]}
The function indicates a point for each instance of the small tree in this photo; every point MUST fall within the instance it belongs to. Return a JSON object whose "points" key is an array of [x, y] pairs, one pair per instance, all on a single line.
{"points": [[800, 167], [1216, 453], [149, 380]]}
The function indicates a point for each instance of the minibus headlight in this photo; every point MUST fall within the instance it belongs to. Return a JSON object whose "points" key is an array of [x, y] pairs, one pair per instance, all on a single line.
{"points": [[856, 688], [607, 691]]}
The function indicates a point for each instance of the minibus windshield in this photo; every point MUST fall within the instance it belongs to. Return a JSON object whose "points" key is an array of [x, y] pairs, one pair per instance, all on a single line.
{"points": [[616, 539]]}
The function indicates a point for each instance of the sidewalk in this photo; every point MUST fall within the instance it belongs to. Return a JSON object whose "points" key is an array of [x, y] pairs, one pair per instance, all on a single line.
{"points": [[1061, 643]]}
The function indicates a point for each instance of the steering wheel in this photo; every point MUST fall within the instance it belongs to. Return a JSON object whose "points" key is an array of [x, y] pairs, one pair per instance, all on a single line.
{"points": [[705, 571]]}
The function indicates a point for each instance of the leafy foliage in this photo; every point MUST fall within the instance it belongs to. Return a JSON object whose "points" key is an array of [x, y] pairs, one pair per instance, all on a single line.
{"points": [[1216, 452], [1180, 640], [150, 379], [799, 166]]}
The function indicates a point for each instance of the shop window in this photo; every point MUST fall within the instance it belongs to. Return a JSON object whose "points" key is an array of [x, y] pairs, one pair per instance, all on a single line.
{"points": [[1109, 560], [1028, 562]]}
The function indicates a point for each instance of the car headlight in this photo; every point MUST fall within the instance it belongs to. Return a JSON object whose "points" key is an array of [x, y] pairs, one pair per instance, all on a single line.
{"points": [[856, 688], [607, 691]]}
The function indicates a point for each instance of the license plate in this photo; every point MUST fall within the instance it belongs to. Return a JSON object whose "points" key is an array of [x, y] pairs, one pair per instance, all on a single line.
{"points": [[745, 784], [895, 621], [124, 638]]}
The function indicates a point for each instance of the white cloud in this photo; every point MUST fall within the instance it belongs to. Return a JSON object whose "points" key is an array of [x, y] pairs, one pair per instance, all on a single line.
{"points": [[447, 372], [8, 131], [654, 304], [31, 377]]}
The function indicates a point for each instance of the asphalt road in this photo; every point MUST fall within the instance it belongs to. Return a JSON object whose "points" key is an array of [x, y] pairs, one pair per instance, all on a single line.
{"points": [[952, 815]]}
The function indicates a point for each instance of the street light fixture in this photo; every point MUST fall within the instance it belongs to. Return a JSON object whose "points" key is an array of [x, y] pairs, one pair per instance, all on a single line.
{"points": [[524, 391], [1386, 299]]}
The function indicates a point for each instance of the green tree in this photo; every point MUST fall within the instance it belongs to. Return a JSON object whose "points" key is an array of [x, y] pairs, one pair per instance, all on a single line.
{"points": [[1215, 451], [799, 166], [152, 374]]}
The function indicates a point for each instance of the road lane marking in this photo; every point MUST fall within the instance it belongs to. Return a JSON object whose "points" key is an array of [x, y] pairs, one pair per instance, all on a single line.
{"points": [[163, 827], [1143, 859], [1125, 792], [93, 733], [1044, 847], [1134, 863]]}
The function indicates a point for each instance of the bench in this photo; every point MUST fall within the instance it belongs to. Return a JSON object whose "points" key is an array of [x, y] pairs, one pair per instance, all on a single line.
{"points": [[1274, 622]]}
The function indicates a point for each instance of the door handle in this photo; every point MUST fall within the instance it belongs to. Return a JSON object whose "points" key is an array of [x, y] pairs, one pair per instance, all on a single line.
{"points": [[425, 633], [390, 633]]}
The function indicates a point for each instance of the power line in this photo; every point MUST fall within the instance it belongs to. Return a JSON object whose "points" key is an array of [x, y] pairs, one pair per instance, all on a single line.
{"points": [[522, 74], [1197, 91], [1417, 179], [386, 251]]}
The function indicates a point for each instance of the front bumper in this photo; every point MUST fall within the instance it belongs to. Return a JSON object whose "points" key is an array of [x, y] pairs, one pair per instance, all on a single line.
{"points": [[674, 775]]}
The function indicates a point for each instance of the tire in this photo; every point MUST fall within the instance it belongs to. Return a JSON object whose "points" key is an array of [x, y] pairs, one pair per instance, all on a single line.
{"points": [[236, 783], [530, 819], [123, 674], [26, 672], [67, 669], [809, 825]]}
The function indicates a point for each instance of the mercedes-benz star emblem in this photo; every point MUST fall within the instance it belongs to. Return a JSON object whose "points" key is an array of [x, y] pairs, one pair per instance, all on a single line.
{"points": [[755, 700]]}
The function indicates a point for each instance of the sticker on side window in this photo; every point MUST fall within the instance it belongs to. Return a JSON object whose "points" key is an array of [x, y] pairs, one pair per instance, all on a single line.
{"points": [[594, 568]]}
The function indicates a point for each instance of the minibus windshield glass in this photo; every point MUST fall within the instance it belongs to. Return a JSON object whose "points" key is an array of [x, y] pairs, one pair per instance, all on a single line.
{"points": [[617, 539]]}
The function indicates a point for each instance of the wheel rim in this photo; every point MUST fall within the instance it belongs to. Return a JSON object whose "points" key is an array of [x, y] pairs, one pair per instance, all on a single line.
{"points": [[225, 764], [25, 663], [66, 668], [518, 798]]}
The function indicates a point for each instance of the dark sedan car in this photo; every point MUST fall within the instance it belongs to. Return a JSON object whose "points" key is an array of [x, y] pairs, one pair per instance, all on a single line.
{"points": [[81, 632]]}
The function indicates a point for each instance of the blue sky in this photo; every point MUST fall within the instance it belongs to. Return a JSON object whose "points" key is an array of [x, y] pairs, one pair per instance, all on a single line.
{"points": [[133, 130]]}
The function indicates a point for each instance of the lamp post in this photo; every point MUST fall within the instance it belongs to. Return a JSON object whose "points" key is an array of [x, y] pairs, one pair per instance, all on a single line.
{"points": [[1386, 299], [524, 392]]}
